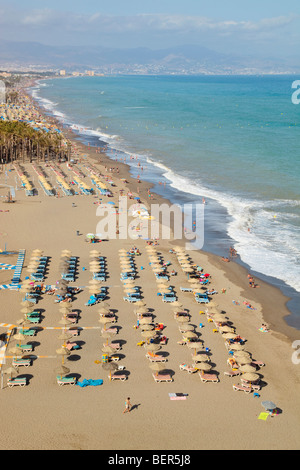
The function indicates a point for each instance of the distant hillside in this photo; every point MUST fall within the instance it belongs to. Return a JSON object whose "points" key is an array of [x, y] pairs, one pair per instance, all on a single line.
{"points": [[188, 58]]}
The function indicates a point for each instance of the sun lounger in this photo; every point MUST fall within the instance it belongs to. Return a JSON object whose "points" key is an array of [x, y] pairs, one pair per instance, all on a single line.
{"points": [[99, 277], [72, 319], [31, 296], [116, 346], [21, 362], [178, 396], [232, 363], [33, 300], [253, 386], [208, 377], [162, 378], [117, 376], [25, 347], [37, 276], [27, 332], [21, 381], [233, 373], [241, 388], [247, 382], [92, 301], [169, 298], [71, 346], [34, 319], [131, 299], [66, 380], [189, 369], [156, 358], [202, 300]]}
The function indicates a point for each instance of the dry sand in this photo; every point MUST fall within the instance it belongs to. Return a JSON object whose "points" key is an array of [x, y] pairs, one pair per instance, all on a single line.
{"points": [[45, 416]]}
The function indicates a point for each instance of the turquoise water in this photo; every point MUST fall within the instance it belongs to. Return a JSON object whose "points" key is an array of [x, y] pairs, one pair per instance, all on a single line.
{"points": [[232, 140]]}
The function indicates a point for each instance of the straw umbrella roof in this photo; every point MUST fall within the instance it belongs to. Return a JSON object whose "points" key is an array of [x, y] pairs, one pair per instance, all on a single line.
{"points": [[27, 309], [157, 366], [108, 334], [65, 322], [146, 320], [11, 371], [107, 349], [64, 336], [237, 347], [177, 304], [141, 310], [103, 311], [201, 357], [243, 360], [17, 351], [105, 320], [95, 290], [219, 318], [242, 353], [247, 368], [190, 334], [182, 319], [204, 366], [66, 309], [62, 370], [148, 334], [226, 329], [250, 377], [147, 327], [111, 366], [63, 352], [186, 327], [19, 337], [229, 335], [194, 345]]}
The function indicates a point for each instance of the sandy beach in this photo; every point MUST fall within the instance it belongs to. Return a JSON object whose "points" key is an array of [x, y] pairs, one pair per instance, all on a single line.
{"points": [[43, 415]]}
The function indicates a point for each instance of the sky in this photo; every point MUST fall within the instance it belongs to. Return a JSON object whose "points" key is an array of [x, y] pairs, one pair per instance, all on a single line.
{"points": [[269, 28]]}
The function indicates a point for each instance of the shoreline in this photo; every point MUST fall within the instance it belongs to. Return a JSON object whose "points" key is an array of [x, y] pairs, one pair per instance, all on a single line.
{"points": [[268, 296]]}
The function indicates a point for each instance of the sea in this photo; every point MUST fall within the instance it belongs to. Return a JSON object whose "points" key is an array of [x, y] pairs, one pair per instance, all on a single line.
{"points": [[230, 143]]}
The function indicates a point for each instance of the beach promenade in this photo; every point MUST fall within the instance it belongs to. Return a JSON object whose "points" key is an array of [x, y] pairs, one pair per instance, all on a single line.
{"points": [[204, 414]]}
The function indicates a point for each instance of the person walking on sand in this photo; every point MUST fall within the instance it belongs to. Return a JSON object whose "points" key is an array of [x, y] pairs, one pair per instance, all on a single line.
{"points": [[127, 405]]}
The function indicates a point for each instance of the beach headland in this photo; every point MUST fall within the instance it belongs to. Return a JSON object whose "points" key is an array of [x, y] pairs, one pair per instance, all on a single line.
{"points": [[212, 415]]}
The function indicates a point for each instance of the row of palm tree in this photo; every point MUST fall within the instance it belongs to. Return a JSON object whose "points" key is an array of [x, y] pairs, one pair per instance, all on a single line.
{"points": [[19, 141]]}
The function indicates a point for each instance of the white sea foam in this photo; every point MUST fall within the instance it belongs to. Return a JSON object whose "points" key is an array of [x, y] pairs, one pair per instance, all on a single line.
{"points": [[262, 238]]}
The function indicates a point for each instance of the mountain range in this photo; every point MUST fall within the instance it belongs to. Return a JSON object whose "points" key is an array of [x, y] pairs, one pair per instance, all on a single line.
{"points": [[173, 59]]}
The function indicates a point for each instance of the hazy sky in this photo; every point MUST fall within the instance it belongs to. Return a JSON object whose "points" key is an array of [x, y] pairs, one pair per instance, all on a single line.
{"points": [[256, 27]]}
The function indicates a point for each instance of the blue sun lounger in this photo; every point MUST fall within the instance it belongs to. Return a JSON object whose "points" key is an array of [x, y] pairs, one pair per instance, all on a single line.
{"points": [[201, 299]]}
